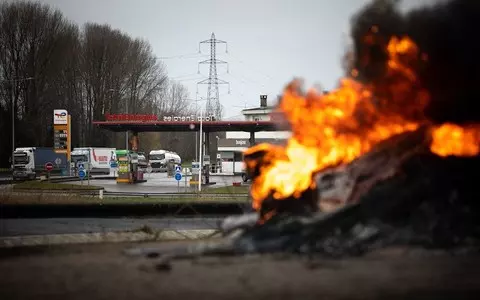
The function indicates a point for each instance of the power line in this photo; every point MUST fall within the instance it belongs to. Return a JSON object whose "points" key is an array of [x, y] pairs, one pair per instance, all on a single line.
{"points": [[188, 56], [188, 79], [185, 75], [241, 61], [244, 79]]}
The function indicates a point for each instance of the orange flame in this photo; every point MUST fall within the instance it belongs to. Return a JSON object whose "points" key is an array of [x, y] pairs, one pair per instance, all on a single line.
{"points": [[450, 139], [336, 128]]}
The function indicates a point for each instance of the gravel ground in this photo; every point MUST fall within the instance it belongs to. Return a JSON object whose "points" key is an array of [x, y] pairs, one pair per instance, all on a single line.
{"points": [[103, 272]]}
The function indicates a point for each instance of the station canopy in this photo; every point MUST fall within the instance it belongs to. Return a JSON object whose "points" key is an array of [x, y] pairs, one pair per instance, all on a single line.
{"points": [[208, 126], [176, 126], [151, 123]]}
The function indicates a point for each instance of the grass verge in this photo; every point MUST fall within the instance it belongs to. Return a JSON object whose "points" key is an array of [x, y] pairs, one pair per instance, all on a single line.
{"points": [[15, 196], [244, 189], [187, 165], [167, 200], [37, 185], [49, 199]]}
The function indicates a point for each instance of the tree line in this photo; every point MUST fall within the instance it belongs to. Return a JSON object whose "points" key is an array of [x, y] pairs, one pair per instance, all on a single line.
{"points": [[47, 62]]}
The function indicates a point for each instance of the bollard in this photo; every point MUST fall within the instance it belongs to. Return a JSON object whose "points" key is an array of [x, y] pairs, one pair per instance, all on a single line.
{"points": [[185, 172], [100, 194]]}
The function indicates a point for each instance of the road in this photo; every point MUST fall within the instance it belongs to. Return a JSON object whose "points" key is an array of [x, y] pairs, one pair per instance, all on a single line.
{"points": [[156, 183], [16, 227], [159, 183]]}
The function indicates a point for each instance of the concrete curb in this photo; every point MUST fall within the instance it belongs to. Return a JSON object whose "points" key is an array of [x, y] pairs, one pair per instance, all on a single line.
{"points": [[99, 210], [106, 237]]}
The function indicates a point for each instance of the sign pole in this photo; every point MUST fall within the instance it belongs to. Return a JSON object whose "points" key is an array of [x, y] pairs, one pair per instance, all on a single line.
{"points": [[178, 176], [69, 139], [81, 172], [48, 167], [186, 180], [200, 154]]}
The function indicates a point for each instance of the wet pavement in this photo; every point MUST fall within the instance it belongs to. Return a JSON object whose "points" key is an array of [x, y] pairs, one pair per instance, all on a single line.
{"points": [[159, 183], [21, 226]]}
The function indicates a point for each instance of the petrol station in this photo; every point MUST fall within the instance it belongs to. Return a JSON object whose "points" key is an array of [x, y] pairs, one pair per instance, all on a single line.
{"points": [[149, 123]]}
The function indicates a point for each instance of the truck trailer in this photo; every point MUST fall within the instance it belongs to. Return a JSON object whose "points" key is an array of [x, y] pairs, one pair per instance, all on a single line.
{"points": [[158, 159], [97, 159], [29, 161]]}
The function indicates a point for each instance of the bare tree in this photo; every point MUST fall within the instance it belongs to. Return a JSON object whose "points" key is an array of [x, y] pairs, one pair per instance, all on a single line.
{"points": [[174, 101], [46, 62], [120, 75], [33, 42]]}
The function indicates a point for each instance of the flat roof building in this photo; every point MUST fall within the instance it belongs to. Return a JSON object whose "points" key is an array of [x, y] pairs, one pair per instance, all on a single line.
{"points": [[230, 149]]}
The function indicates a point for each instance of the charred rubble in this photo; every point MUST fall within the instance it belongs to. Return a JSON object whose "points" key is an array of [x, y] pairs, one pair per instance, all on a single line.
{"points": [[398, 194]]}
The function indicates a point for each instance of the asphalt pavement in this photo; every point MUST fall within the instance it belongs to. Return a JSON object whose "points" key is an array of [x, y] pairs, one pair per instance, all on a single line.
{"points": [[22, 227], [156, 182], [159, 183]]}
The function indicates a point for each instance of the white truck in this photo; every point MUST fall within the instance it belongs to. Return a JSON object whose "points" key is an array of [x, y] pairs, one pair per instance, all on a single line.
{"points": [[97, 159], [142, 161], [28, 161], [158, 159]]}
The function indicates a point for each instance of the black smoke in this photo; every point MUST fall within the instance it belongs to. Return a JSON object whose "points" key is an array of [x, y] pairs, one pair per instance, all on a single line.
{"points": [[448, 32]]}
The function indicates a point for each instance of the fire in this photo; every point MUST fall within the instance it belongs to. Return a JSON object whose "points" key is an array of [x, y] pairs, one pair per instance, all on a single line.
{"points": [[450, 139], [334, 129]]}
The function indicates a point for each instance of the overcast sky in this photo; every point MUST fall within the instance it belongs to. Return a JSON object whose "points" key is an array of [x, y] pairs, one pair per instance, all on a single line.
{"points": [[269, 41]]}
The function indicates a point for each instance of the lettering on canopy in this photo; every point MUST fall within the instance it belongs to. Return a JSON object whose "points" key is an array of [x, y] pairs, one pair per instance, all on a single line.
{"points": [[145, 117]]}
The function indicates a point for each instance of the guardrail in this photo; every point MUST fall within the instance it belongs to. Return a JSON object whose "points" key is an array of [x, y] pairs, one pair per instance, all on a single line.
{"points": [[76, 178], [171, 205], [101, 193], [179, 195], [9, 180]]}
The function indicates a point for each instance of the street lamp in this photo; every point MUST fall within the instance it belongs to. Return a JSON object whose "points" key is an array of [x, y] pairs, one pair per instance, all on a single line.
{"points": [[13, 133], [200, 143], [13, 116], [200, 146]]}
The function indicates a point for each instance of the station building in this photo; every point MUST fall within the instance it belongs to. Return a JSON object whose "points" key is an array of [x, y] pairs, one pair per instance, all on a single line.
{"points": [[230, 149]]}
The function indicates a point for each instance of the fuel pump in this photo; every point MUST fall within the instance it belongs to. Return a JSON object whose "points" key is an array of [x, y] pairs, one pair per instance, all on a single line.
{"points": [[128, 169], [123, 159], [206, 169], [195, 179]]}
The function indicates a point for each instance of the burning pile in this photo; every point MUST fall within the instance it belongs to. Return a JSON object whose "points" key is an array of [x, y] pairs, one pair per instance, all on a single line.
{"points": [[390, 157], [387, 93]]}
